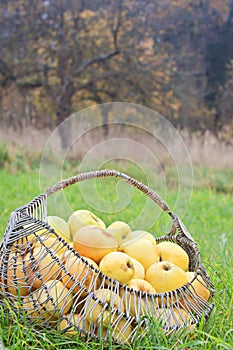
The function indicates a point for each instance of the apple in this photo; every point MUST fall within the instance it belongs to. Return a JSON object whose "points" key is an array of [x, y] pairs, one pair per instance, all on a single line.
{"points": [[165, 276], [199, 290], [31, 306], [67, 254], [142, 250], [43, 263], [60, 226], [94, 242], [170, 317], [134, 235], [81, 218], [21, 277], [79, 321], [27, 238], [139, 271], [136, 303], [118, 266], [17, 283], [97, 312], [50, 242], [142, 285], [81, 272], [55, 298], [120, 330], [169, 251], [33, 277], [181, 315], [119, 230], [199, 285]]}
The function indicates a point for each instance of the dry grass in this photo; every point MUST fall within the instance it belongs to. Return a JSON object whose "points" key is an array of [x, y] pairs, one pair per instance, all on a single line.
{"points": [[140, 146]]}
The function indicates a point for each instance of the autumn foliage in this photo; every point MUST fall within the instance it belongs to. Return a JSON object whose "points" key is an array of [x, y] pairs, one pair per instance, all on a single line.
{"points": [[60, 56]]}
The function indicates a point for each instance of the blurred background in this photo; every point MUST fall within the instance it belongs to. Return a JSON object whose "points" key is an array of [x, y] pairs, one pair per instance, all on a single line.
{"points": [[58, 57]]}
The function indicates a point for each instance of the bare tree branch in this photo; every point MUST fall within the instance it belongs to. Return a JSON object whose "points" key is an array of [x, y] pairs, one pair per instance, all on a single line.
{"points": [[104, 77], [102, 58], [29, 85]]}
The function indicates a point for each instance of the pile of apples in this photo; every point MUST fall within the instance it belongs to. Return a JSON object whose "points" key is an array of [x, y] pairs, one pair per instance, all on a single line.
{"points": [[133, 258]]}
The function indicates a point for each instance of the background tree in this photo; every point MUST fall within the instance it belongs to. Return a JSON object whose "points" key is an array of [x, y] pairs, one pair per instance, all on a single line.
{"points": [[59, 56]]}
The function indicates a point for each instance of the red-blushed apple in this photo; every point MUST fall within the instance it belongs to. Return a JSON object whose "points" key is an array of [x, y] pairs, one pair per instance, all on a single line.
{"points": [[94, 242]]}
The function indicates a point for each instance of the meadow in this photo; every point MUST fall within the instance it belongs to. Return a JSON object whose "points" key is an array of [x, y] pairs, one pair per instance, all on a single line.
{"points": [[208, 218]]}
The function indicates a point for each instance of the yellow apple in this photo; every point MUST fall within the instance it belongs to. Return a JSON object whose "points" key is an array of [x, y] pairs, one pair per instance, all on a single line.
{"points": [[44, 264], [135, 303], [169, 251], [81, 272], [55, 298], [94, 242], [17, 276], [50, 242], [134, 235], [171, 318], [36, 313], [21, 277], [60, 226], [79, 321], [120, 330], [81, 218], [199, 285], [142, 285], [27, 238], [199, 290], [118, 266], [142, 250], [139, 271], [97, 312], [119, 230], [181, 315], [165, 276]]}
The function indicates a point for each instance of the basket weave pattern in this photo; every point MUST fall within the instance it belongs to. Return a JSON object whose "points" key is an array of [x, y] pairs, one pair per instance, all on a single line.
{"points": [[24, 284]]}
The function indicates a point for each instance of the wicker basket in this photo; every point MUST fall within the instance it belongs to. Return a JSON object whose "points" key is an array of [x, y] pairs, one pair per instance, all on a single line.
{"points": [[29, 277]]}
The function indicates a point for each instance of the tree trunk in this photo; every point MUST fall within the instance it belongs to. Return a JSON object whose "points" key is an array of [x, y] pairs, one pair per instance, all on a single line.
{"points": [[64, 130], [105, 114], [63, 112]]}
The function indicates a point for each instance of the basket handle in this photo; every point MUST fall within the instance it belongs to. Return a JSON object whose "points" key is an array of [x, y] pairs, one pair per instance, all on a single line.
{"points": [[177, 223]]}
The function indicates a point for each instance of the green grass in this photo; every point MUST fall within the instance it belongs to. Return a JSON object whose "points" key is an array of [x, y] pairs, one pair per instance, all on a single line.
{"points": [[208, 218]]}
